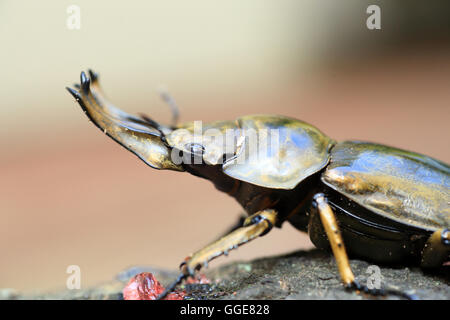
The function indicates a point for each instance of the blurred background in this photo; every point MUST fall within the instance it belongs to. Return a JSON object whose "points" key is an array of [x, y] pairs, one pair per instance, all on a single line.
{"points": [[69, 195]]}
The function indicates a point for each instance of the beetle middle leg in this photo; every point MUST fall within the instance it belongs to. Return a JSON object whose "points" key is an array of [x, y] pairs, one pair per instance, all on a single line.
{"points": [[254, 226], [332, 232], [329, 223]]}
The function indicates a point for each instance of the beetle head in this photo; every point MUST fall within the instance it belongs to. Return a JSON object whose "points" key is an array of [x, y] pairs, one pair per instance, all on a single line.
{"points": [[142, 136], [198, 143]]}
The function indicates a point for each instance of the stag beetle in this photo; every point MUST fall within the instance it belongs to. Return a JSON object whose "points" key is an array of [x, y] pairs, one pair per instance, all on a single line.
{"points": [[386, 204]]}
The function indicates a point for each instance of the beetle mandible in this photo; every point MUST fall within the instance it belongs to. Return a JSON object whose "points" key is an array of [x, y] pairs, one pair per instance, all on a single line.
{"points": [[386, 204]]}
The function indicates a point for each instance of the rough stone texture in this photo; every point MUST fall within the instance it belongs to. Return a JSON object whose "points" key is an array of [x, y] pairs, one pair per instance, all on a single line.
{"points": [[300, 275]]}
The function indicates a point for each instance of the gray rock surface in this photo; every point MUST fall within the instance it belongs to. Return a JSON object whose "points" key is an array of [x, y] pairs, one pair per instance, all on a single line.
{"points": [[300, 275]]}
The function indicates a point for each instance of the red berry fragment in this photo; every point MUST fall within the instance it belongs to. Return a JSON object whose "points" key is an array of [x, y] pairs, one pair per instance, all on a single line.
{"points": [[200, 279], [144, 286], [177, 295]]}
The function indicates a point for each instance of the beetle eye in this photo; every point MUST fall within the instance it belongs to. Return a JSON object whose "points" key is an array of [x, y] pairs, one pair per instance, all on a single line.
{"points": [[195, 148]]}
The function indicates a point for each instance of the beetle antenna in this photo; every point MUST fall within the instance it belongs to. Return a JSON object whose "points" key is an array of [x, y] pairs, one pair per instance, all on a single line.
{"points": [[172, 286], [152, 123], [165, 95], [155, 125]]}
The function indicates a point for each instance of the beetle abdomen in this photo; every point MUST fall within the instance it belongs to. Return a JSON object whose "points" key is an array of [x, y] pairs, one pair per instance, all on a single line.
{"points": [[404, 186]]}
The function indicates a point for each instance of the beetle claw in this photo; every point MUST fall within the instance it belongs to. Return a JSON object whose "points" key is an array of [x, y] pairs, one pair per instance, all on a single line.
{"points": [[172, 286], [85, 82], [356, 286], [134, 134], [93, 76], [74, 93]]}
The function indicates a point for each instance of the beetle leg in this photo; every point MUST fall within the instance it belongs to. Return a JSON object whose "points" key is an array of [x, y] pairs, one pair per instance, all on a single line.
{"points": [[335, 238], [437, 249], [333, 233], [258, 225], [237, 224], [254, 226]]}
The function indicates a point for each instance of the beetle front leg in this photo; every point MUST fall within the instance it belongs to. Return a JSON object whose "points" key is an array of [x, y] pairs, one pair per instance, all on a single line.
{"points": [[336, 242], [254, 226]]}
